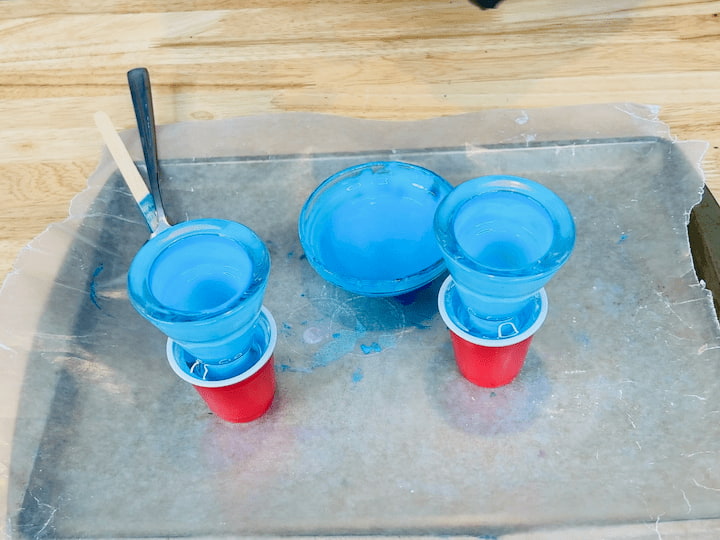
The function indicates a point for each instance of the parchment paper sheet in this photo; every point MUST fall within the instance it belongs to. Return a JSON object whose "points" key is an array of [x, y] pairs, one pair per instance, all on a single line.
{"points": [[614, 419]]}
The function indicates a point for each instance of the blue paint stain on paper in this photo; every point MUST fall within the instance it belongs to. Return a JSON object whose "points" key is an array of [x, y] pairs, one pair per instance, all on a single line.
{"points": [[331, 347], [373, 347], [93, 285], [291, 369], [286, 329], [335, 349]]}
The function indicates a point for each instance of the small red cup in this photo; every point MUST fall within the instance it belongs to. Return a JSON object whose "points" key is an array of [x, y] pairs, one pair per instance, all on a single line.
{"points": [[489, 362], [244, 397], [489, 367]]}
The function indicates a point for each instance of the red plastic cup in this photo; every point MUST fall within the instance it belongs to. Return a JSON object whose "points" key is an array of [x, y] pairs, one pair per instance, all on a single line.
{"points": [[244, 397], [489, 367], [489, 362]]}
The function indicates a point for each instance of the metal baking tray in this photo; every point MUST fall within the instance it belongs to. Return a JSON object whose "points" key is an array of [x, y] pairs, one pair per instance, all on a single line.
{"points": [[615, 417]]}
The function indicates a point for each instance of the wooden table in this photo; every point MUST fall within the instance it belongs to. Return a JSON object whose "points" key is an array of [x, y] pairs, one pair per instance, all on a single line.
{"points": [[62, 60]]}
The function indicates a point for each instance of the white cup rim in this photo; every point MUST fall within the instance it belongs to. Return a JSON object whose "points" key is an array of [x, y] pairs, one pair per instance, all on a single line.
{"points": [[502, 342], [252, 370]]}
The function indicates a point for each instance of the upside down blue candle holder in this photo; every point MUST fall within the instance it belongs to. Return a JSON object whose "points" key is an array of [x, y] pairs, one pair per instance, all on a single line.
{"points": [[503, 238]]}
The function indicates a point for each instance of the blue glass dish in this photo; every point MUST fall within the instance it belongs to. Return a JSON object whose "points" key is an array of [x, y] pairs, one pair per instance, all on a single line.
{"points": [[369, 228]]}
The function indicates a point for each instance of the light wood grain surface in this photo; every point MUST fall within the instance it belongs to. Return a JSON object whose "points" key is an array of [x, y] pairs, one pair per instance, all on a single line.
{"points": [[62, 60]]}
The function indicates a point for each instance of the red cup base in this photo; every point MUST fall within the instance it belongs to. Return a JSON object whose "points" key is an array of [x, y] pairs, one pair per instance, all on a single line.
{"points": [[243, 401], [489, 367]]}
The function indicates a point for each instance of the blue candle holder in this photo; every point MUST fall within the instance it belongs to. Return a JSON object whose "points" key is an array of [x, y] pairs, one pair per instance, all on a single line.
{"points": [[502, 238], [202, 283]]}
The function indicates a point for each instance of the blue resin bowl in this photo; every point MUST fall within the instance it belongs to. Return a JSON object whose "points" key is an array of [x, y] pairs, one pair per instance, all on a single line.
{"points": [[369, 228]]}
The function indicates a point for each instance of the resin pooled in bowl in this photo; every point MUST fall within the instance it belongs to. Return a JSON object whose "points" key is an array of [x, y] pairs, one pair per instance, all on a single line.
{"points": [[369, 228]]}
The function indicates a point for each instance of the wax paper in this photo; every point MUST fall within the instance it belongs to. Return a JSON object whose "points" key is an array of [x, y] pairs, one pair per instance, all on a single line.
{"points": [[613, 420]]}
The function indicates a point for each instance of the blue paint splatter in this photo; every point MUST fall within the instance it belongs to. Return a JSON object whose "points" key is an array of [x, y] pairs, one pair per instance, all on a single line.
{"points": [[336, 335], [333, 350], [292, 369], [93, 285], [373, 347], [623, 237], [286, 329], [357, 375]]}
